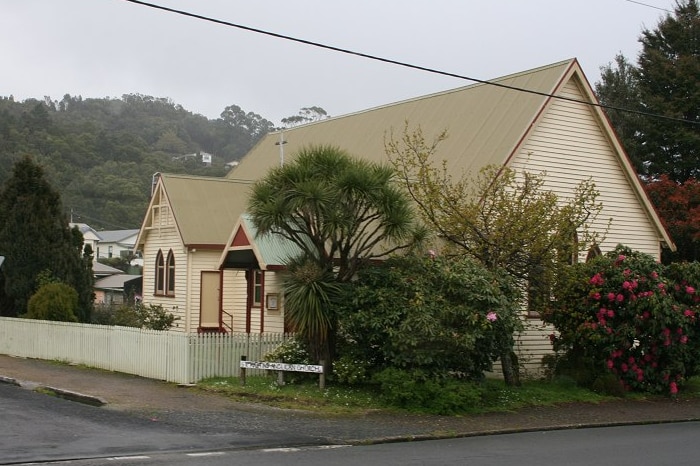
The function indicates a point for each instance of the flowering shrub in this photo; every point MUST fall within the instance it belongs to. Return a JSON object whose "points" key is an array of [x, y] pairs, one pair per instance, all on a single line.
{"points": [[622, 314], [349, 370], [441, 317], [292, 351]]}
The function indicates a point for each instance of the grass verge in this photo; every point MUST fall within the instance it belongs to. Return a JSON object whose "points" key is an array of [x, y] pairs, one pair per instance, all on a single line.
{"points": [[340, 399]]}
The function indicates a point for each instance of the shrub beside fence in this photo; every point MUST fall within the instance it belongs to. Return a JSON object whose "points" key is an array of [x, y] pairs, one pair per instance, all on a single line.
{"points": [[164, 355]]}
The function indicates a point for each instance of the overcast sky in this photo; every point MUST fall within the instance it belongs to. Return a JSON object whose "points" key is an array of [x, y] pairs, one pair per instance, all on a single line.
{"points": [[107, 48]]}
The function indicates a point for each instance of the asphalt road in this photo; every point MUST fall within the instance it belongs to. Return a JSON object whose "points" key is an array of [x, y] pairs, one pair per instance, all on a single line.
{"points": [[656, 445], [40, 428]]}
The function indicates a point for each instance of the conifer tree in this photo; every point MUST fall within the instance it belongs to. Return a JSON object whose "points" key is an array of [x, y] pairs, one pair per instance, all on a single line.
{"points": [[35, 239]]}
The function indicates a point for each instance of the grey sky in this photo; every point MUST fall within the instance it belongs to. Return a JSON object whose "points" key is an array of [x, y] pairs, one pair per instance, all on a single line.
{"points": [[107, 48]]}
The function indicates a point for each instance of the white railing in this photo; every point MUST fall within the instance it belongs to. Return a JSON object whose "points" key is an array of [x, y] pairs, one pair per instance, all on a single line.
{"points": [[171, 356]]}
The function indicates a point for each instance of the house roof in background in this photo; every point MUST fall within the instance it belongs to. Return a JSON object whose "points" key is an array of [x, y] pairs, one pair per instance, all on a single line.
{"points": [[99, 268], [117, 236], [115, 281]]}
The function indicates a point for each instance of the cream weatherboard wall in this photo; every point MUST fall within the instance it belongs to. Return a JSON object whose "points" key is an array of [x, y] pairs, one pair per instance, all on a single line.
{"points": [[234, 298], [235, 301], [570, 145], [163, 235]]}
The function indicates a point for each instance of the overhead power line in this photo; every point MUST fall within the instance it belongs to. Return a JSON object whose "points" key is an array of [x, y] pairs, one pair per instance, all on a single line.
{"points": [[403, 64], [650, 6]]}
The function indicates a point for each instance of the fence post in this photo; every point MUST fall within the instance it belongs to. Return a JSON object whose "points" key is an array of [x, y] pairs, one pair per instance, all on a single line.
{"points": [[242, 371], [322, 377], [280, 376]]}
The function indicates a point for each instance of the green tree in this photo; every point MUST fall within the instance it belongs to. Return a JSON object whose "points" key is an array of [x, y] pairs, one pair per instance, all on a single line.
{"points": [[502, 220], [668, 69], [340, 211], [618, 90], [35, 237], [53, 301], [664, 81], [305, 115]]}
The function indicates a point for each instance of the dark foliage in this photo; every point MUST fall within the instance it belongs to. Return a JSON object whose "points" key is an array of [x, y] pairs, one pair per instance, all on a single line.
{"points": [[101, 154], [36, 241]]}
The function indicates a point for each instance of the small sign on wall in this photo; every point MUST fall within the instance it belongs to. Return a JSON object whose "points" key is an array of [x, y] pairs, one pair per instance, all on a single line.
{"points": [[272, 301]]}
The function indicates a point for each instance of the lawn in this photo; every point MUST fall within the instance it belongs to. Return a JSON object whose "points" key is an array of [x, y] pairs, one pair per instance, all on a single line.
{"points": [[341, 399]]}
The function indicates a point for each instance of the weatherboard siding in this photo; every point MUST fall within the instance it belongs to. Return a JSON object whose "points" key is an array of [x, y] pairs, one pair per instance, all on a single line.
{"points": [[165, 239], [234, 298], [274, 319], [570, 146]]}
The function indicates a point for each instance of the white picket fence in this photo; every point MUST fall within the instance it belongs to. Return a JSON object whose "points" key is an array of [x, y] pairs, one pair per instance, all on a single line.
{"points": [[164, 355]]}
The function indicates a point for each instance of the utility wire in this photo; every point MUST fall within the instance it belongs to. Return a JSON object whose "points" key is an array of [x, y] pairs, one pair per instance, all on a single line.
{"points": [[80, 216], [650, 6], [404, 64]]}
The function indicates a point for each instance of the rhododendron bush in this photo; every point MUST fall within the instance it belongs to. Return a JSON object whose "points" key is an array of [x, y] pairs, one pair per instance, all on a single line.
{"points": [[625, 314]]}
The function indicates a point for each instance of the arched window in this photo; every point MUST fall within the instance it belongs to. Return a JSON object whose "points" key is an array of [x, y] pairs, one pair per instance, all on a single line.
{"points": [[165, 274], [160, 274], [170, 274], [594, 251]]}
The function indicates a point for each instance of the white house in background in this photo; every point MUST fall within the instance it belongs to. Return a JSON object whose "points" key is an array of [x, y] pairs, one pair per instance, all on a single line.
{"points": [[116, 243], [90, 236]]}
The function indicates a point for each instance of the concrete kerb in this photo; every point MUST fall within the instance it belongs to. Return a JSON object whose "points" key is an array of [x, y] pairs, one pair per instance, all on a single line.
{"points": [[57, 392]]}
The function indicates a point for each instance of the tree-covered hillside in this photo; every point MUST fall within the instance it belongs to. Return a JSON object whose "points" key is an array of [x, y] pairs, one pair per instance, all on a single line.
{"points": [[101, 154]]}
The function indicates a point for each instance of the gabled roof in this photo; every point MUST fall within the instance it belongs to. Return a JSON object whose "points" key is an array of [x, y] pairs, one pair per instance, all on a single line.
{"points": [[486, 125], [484, 122], [245, 249], [98, 268], [115, 282], [116, 236], [204, 208]]}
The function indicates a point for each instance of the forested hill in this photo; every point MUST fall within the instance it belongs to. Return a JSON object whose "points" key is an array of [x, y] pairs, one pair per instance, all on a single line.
{"points": [[101, 154]]}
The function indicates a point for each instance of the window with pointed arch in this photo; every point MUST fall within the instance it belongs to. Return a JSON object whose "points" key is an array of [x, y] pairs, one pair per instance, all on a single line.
{"points": [[165, 274]]}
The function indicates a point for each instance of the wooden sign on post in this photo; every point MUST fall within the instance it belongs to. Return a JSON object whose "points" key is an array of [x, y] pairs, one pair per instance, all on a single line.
{"points": [[283, 367]]}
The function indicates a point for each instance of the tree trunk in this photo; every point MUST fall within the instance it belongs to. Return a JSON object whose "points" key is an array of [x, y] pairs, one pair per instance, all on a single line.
{"points": [[510, 368]]}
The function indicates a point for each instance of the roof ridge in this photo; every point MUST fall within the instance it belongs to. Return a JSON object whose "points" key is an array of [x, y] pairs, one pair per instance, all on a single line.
{"points": [[432, 95]]}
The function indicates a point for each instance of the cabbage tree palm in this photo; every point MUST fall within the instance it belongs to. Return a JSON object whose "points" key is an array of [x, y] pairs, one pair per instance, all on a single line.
{"points": [[342, 212]]}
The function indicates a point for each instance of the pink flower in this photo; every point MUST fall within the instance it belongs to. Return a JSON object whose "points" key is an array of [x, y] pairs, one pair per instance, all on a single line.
{"points": [[673, 388], [596, 296], [689, 289], [596, 280], [684, 339], [610, 364], [611, 296], [624, 367], [654, 275], [626, 272], [611, 313], [666, 332], [491, 316], [619, 298], [689, 313]]}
